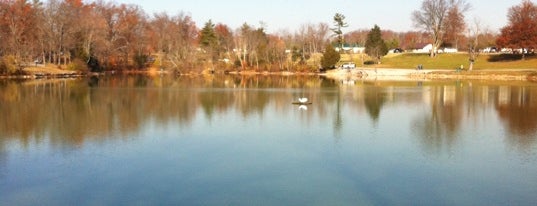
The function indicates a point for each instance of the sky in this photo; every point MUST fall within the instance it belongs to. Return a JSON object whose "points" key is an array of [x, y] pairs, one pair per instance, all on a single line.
{"points": [[288, 15]]}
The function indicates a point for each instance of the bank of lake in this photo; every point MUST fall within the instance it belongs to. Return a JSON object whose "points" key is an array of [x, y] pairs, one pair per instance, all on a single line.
{"points": [[393, 67]]}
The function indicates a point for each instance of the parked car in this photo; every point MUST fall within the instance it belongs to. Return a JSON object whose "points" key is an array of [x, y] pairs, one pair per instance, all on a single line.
{"points": [[448, 50], [348, 65], [397, 50], [490, 50]]}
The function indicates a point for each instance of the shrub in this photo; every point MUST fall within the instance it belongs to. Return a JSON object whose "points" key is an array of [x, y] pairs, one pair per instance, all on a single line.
{"points": [[8, 65], [140, 60], [77, 65], [330, 57]]}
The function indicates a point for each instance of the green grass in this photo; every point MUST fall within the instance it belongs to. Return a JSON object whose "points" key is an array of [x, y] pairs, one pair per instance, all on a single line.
{"points": [[450, 61]]}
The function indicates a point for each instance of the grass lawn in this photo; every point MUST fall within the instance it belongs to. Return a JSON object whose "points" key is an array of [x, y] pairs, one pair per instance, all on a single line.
{"points": [[450, 61]]}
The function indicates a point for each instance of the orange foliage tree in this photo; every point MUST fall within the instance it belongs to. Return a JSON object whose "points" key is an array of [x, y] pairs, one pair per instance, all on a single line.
{"points": [[16, 22], [521, 32]]}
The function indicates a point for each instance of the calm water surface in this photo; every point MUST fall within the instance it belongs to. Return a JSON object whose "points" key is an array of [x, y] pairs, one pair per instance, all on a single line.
{"points": [[239, 141]]}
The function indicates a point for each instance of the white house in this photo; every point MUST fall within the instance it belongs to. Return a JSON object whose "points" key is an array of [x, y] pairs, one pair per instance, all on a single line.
{"points": [[426, 49], [353, 49]]}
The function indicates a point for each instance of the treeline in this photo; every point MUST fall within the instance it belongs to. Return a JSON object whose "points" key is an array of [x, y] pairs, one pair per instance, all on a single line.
{"points": [[103, 35]]}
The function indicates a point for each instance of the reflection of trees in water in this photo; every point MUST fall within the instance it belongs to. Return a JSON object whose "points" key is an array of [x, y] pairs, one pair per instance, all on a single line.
{"points": [[374, 99], [451, 105], [517, 109], [71, 112], [437, 128], [3, 157]]}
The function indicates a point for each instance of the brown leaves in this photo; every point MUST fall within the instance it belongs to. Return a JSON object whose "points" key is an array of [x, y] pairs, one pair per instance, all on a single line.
{"points": [[522, 29]]}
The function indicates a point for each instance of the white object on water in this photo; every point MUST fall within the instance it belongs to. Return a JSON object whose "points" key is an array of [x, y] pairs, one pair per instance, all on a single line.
{"points": [[303, 107], [303, 100]]}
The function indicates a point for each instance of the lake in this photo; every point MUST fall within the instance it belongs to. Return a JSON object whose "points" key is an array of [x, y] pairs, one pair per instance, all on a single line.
{"points": [[239, 140]]}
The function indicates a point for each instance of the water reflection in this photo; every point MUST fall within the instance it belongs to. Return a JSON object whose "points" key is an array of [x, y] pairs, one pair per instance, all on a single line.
{"points": [[71, 112], [438, 125], [517, 109], [139, 139], [374, 99]]}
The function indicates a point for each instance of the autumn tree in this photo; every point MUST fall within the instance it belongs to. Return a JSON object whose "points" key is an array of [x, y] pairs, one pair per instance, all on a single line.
{"points": [[260, 40], [130, 34], [224, 36], [276, 51], [357, 36], [115, 35], [521, 32], [413, 39], [63, 30], [182, 48], [90, 35], [174, 38], [108, 34], [487, 38], [375, 46], [317, 36], [160, 38], [454, 24], [252, 44], [67, 27], [16, 26], [432, 18]]}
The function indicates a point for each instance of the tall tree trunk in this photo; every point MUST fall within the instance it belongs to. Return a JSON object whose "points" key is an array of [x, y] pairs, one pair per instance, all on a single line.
{"points": [[471, 67]]}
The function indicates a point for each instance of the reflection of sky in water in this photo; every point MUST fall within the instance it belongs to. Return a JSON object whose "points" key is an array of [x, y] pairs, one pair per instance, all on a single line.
{"points": [[342, 151]]}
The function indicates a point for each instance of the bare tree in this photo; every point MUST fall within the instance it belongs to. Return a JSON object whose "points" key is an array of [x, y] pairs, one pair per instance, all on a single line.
{"points": [[321, 36], [181, 49], [473, 43], [432, 18], [357, 37], [173, 38], [242, 43]]}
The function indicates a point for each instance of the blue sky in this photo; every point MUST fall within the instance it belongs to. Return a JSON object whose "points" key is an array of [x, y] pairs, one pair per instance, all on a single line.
{"points": [[289, 14]]}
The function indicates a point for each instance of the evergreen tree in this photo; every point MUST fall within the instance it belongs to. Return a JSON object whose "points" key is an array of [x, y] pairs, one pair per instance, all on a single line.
{"points": [[209, 41], [375, 46], [339, 23], [330, 57]]}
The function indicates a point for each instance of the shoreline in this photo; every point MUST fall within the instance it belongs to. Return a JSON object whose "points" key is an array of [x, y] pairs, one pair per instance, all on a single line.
{"points": [[377, 74], [394, 74]]}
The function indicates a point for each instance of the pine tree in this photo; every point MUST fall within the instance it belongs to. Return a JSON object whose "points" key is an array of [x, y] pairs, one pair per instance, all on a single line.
{"points": [[208, 40], [330, 57], [339, 23], [375, 46]]}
